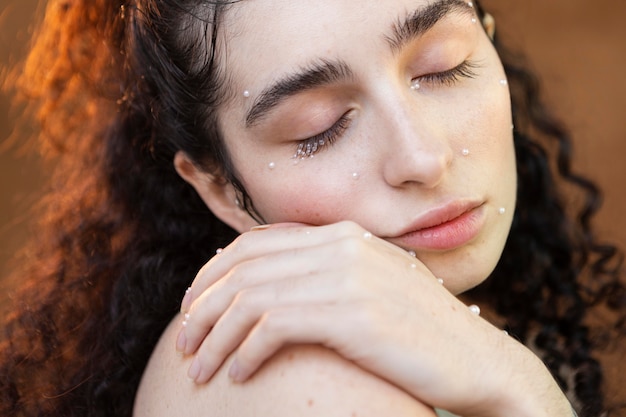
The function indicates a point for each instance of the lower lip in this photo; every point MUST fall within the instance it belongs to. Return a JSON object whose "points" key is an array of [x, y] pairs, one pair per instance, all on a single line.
{"points": [[449, 235]]}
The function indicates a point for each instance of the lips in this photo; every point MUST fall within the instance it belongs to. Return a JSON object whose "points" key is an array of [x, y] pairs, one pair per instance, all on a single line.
{"points": [[443, 228]]}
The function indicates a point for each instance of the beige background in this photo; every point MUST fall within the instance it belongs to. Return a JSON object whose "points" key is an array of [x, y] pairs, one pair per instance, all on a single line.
{"points": [[578, 46]]}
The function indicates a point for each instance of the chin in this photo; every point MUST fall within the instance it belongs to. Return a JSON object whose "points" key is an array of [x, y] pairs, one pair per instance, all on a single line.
{"points": [[463, 272]]}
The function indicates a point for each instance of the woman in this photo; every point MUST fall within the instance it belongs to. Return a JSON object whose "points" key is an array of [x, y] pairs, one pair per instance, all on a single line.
{"points": [[366, 159]]}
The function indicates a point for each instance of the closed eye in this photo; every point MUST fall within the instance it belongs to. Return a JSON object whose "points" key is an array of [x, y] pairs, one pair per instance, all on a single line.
{"points": [[310, 146], [450, 77]]}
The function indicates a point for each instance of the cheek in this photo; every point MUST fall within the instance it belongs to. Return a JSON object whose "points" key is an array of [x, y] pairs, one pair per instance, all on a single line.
{"points": [[288, 194], [489, 126]]}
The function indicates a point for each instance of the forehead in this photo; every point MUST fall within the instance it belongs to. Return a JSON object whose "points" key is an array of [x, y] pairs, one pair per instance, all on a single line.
{"points": [[263, 38]]}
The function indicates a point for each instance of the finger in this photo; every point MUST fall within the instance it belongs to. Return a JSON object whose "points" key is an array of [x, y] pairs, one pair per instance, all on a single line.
{"points": [[279, 226], [281, 269], [332, 287], [251, 245], [344, 257], [385, 344], [280, 327], [245, 311]]}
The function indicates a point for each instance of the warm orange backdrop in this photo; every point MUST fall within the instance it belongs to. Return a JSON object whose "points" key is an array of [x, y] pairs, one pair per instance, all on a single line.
{"points": [[578, 46]]}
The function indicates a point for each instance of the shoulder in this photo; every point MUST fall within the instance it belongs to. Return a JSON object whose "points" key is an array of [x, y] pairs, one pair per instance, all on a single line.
{"points": [[299, 380]]}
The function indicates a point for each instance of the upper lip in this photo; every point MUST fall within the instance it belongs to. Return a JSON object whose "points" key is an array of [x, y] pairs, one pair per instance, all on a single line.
{"points": [[438, 215]]}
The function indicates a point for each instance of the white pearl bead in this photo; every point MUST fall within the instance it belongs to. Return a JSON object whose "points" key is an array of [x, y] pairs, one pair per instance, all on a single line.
{"points": [[474, 309]]}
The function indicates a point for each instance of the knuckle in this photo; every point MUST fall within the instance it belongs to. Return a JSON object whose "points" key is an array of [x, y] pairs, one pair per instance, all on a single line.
{"points": [[242, 242], [244, 303], [235, 278], [273, 323], [351, 247], [349, 228]]}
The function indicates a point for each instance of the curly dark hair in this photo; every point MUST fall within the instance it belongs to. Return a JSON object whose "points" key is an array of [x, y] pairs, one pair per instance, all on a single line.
{"points": [[119, 87]]}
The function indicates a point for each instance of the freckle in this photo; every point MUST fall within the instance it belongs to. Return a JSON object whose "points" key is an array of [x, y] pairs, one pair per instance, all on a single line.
{"points": [[290, 357]]}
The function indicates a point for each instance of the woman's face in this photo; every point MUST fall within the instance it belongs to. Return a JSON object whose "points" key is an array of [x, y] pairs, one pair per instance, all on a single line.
{"points": [[392, 114]]}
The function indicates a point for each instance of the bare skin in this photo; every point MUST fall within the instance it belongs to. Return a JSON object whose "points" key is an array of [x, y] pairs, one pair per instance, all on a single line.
{"points": [[297, 381], [335, 270]]}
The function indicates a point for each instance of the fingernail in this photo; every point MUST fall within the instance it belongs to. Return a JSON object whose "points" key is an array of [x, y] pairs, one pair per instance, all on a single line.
{"points": [[181, 341], [235, 372], [194, 369], [186, 303], [260, 227]]}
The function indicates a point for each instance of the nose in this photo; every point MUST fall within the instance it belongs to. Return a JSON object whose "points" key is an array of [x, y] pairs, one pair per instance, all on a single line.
{"points": [[418, 150]]}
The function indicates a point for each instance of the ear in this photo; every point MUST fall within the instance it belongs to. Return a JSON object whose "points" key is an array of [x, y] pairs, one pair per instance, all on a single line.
{"points": [[489, 23], [219, 195]]}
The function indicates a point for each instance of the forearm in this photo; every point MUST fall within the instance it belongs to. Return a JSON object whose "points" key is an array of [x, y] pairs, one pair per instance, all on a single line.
{"points": [[529, 390]]}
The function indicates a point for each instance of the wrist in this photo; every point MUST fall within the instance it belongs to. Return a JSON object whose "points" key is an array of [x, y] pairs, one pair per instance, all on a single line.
{"points": [[531, 390]]}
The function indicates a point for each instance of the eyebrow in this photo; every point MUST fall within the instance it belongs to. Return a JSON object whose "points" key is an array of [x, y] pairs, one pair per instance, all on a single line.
{"points": [[423, 19], [316, 75], [325, 72]]}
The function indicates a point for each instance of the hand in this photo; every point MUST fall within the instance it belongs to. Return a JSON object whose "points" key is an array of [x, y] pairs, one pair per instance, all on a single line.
{"points": [[359, 295]]}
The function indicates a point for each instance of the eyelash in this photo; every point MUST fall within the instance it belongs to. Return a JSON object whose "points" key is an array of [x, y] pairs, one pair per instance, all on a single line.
{"points": [[307, 148], [451, 76]]}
